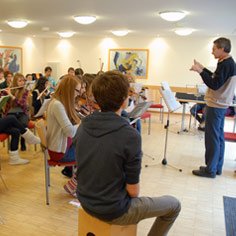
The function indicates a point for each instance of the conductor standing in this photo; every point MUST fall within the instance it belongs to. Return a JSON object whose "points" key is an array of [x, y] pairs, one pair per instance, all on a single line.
{"points": [[221, 85]]}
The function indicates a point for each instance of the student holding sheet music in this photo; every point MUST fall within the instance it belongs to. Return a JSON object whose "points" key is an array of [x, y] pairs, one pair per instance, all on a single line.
{"points": [[221, 85], [108, 153], [62, 123]]}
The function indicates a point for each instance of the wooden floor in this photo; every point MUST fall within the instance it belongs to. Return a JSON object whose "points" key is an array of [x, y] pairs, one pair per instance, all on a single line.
{"points": [[23, 210]]}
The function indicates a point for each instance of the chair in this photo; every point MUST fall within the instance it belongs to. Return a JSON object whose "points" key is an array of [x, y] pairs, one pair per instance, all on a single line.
{"points": [[147, 115], [190, 120], [232, 117], [3, 137], [230, 137], [42, 131], [31, 125], [91, 226], [161, 107]]}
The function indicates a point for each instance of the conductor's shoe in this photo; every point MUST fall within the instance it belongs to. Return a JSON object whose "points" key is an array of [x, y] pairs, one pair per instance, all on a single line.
{"points": [[203, 174], [203, 168]]}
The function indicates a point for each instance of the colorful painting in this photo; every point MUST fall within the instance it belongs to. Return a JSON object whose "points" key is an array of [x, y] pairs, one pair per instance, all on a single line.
{"points": [[11, 58], [129, 61]]}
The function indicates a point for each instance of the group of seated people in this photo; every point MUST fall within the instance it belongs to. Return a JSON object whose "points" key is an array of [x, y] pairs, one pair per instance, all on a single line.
{"points": [[107, 178]]}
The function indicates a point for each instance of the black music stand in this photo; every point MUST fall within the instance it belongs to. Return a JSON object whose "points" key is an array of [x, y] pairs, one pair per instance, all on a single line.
{"points": [[172, 105]]}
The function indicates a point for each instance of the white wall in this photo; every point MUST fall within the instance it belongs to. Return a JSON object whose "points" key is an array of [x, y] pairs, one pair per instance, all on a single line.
{"points": [[32, 49], [169, 58]]}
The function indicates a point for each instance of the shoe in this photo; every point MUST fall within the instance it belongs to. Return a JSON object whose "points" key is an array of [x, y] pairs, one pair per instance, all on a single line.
{"points": [[67, 171], [201, 128], [15, 159], [30, 138], [203, 174], [203, 168], [71, 186], [23, 148]]}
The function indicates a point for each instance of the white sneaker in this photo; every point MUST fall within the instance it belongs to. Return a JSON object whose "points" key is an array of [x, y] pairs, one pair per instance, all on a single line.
{"points": [[15, 159], [30, 137]]}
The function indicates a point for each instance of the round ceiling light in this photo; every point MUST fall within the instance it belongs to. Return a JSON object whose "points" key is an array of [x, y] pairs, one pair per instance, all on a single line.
{"points": [[183, 31], [120, 32], [85, 20], [17, 23], [67, 34], [172, 15]]}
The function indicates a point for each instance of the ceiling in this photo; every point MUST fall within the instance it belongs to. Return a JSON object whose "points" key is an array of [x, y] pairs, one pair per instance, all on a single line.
{"points": [[208, 17]]}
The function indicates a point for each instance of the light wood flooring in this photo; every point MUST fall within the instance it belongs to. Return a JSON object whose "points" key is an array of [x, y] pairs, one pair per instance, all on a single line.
{"points": [[23, 210]]}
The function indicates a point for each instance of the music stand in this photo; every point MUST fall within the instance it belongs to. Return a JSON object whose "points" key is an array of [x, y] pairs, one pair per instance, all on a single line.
{"points": [[172, 105]]}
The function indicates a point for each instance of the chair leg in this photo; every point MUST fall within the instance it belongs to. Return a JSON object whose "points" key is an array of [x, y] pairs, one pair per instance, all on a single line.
{"points": [[47, 178], [35, 145], [162, 115], [234, 125], [149, 125]]}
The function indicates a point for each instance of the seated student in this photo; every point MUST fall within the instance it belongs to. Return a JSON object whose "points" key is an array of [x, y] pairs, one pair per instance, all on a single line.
{"points": [[62, 121], [10, 125], [18, 105], [194, 111], [39, 94], [84, 107], [108, 154], [8, 80]]}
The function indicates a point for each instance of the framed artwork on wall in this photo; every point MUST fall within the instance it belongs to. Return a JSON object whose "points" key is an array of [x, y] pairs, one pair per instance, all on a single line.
{"points": [[129, 61], [11, 58]]}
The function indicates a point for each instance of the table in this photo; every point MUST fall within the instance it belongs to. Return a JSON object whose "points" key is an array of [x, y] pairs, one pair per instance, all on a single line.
{"points": [[185, 98]]}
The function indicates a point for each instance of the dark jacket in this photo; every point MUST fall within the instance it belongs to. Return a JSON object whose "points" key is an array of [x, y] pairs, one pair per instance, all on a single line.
{"points": [[108, 152]]}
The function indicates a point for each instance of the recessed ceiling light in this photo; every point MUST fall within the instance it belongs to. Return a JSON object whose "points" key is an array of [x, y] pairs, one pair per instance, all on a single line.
{"points": [[183, 31], [85, 20], [66, 34], [17, 23], [172, 15], [45, 28], [120, 32]]}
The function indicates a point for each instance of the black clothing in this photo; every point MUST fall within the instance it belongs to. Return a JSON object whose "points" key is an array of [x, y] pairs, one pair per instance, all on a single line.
{"points": [[225, 70], [108, 153]]}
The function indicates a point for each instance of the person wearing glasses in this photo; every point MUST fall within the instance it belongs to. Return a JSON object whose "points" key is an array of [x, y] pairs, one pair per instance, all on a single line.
{"points": [[221, 86], [63, 122]]}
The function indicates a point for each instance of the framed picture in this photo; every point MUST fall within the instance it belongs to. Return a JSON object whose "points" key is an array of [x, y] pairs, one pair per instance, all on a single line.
{"points": [[11, 58], [129, 61]]}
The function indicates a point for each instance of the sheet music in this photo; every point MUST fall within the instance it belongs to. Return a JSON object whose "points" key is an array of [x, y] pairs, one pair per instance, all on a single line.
{"points": [[165, 86], [3, 101], [139, 109], [170, 100], [43, 108], [137, 87]]}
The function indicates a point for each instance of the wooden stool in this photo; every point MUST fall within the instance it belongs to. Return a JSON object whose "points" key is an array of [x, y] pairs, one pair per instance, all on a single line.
{"points": [[91, 226]]}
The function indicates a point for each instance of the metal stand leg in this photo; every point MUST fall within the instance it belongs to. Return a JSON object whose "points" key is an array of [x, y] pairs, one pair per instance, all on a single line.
{"points": [[164, 161]]}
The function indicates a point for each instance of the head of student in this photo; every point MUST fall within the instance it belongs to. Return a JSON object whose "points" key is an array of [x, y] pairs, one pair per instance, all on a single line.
{"points": [[71, 71], [66, 92], [110, 91], [221, 47], [47, 71]]}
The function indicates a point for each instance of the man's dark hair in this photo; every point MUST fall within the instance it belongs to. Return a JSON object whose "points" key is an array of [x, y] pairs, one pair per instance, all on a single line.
{"points": [[79, 71], [223, 43], [70, 68], [1, 70], [47, 68], [110, 90]]}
